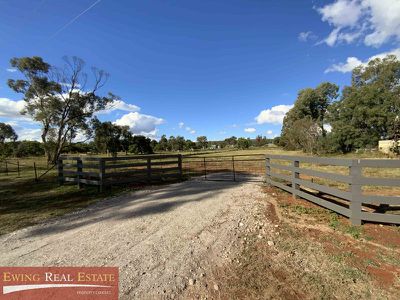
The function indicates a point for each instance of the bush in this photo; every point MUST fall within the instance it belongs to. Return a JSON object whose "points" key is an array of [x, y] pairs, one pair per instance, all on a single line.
{"points": [[29, 148]]}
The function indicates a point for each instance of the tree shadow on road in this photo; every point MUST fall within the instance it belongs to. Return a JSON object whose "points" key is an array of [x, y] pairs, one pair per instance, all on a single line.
{"points": [[137, 204]]}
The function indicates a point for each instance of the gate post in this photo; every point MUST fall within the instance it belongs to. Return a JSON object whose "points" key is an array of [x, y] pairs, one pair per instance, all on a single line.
{"points": [[233, 168], [356, 192], [102, 171], [268, 170], [60, 169], [180, 166], [295, 176], [149, 169], [205, 169], [79, 171]]}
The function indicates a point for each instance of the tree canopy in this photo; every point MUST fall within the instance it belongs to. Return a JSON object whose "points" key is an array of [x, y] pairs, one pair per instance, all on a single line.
{"points": [[310, 108], [59, 98], [7, 133], [368, 108], [367, 111]]}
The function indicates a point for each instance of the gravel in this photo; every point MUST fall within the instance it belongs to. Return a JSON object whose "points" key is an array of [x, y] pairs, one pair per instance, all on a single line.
{"points": [[162, 238]]}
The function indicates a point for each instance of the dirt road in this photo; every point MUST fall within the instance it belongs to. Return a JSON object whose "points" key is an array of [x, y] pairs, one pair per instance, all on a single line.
{"points": [[162, 239]]}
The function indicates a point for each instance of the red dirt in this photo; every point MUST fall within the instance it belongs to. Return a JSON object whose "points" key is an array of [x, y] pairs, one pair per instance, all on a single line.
{"points": [[383, 240]]}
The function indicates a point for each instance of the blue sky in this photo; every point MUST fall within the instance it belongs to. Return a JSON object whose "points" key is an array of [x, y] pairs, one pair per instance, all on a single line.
{"points": [[221, 68]]}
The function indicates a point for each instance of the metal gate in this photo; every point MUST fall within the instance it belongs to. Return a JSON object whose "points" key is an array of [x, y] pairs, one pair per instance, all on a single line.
{"points": [[225, 167]]}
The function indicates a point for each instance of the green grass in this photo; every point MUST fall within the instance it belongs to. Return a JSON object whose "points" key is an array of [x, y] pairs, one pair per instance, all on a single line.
{"points": [[24, 202]]}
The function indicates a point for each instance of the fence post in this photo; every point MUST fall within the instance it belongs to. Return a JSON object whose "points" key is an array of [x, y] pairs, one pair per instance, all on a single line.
{"points": [[205, 169], [268, 170], [356, 193], [79, 170], [180, 165], [295, 176], [233, 168], [18, 169], [34, 167], [149, 169], [102, 171], [60, 169]]}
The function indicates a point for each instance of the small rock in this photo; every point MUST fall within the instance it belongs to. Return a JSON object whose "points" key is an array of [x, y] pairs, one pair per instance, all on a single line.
{"points": [[216, 287], [270, 243], [192, 281], [276, 226], [241, 224], [202, 274], [260, 236]]}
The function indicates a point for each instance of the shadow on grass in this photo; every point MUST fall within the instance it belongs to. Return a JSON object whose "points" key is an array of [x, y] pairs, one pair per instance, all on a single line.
{"points": [[24, 202], [136, 205]]}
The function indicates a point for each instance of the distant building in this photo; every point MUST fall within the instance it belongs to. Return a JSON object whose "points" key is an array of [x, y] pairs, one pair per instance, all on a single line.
{"points": [[385, 146]]}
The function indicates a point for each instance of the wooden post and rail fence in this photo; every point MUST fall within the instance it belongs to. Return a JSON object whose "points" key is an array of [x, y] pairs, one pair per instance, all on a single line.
{"points": [[107, 171], [350, 202]]}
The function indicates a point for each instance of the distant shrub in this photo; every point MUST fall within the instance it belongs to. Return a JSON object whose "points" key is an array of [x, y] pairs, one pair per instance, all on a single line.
{"points": [[28, 148]]}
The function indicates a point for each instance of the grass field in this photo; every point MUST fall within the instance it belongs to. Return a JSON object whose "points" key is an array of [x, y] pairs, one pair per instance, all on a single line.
{"points": [[24, 202]]}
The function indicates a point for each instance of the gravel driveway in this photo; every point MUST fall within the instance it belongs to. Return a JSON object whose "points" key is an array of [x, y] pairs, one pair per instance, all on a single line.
{"points": [[162, 238]]}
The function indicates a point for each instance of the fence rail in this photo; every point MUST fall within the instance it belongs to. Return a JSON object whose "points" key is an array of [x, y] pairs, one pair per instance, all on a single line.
{"points": [[106, 171], [352, 202]]}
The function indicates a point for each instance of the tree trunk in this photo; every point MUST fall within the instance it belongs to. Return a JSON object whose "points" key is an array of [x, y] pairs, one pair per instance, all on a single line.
{"points": [[47, 151]]}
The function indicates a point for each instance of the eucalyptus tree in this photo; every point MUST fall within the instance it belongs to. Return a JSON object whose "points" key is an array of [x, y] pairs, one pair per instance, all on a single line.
{"points": [[369, 108], [7, 133], [62, 99]]}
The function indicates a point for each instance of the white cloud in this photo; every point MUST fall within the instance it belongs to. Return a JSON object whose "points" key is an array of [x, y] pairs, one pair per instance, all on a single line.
{"points": [[306, 36], [29, 134], [353, 62], [384, 19], [119, 105], [12, 70], [25, 133], [269, 132], [274, 115], [348, 66], [250, 130], [341, 13], [140, 124], [187, 128], [376, 21], [11, 109]]}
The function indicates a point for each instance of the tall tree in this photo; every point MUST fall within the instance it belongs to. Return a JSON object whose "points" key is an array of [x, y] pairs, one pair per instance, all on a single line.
{"points": [[163, 143], [202, 142], [232, 141], [189, 145], [368, 108], [7, 132], [180, 143], [243, 143], [126, 138], [311, 104], [140, 145], [59, 98], [107, 137]]}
